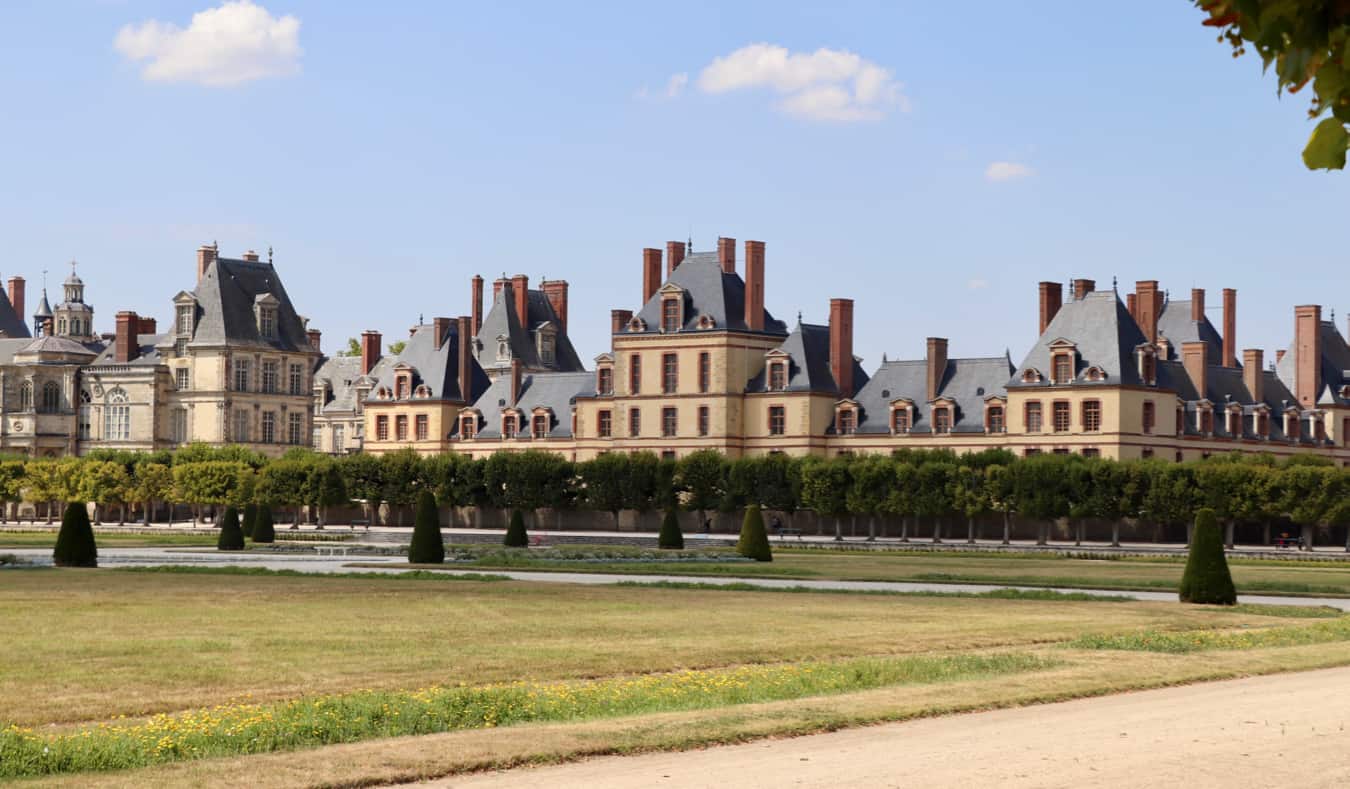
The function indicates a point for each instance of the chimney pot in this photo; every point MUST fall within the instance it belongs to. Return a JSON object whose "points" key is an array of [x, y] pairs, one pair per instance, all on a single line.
{"points": [[1229, 327], [1253, 373], [754, 285], [556, 293], [370, 350], [726, 254], [476, 304], [1197, 304], [1082, 287], [1051, 298], [651, 273], [841, 345], [937, 364]]}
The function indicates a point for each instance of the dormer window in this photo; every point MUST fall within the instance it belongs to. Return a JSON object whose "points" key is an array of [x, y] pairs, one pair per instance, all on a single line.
{"points": [[1204, 419], [1262, 419], [382, 393], [1234, 423], [421, 392], [402, 385], [1148, 365], [902, 418], [509, 425], [265, 311], [1319, 427], [468, 425], [547, 347], [604, 381], [707, 322], [1094, 374], [184, 324], [1291, 424], [942, 419], [777, 376], [541, 425], [503, 350], [1031, 376], [637, 324], [846, 418], [670, 314], [995, 420]]}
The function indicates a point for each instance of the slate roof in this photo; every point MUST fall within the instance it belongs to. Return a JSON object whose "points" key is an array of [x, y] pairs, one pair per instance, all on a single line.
{"points": [[502, 321], [435, 364], [557, 391], [150, 351], [965, 381], [226, 297], [342, 374], [12, 324], [62, 345], [1176, 326], [10, 346], [1335, 366], [1104, 334], [44, 307], [707, 291], [809, 370]]}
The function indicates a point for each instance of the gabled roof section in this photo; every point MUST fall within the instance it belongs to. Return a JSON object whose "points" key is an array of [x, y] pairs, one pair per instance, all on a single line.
{"points": [[707, 291], [226, 297], [1335, 366], [502, 321], [1103, 333], [554, 391], [435, 364], [807, 349], [1176, 326], [965, 382]]}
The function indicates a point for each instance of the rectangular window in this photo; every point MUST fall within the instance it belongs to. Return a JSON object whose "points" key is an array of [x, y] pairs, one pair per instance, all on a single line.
{"points": [[180, 347], [996, 419], [1150, 416], [1092, 452], [540, 426], [468, 426], [704, 420], [942, 420], [382, 428], [295, 429], [900, 420], [777, 420], [339, 443], [668, 454], [185, 320], [670, 373], [1092, 415], [668, 422], [605, 423], [509, 426], [1031, 452], [179, 430], [401, 427], [848, 421], [634, 422], [241, 431], [297, 379], [117, 422], [1147, 453], [1206, 421], [670, 315], [634, 374], [1319, 429], [267, 323], [181, 378], [269, 427], [777, 377], [1033, 416], [704, 371], [1063, 368], [1062, 416], [316, 439], [1061, 451], [241, 375], [85, 427], [422, 427], [605, 381], [1181, 420], [269, 377]]}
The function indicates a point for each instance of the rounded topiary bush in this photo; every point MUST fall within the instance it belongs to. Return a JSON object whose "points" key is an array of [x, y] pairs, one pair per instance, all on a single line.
{"points": [[75, 542], [263, 531], [754, 542], [670, 536], [1207, 580], [231, 536], [515, 532], [426, 546], [250, 518]]}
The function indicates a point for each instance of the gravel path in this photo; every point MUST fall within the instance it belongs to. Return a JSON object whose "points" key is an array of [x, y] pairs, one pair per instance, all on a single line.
{"points": [[1282, 730]]}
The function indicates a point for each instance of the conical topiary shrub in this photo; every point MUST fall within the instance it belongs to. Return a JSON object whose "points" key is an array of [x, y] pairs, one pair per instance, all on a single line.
{"points": [[250, 518], [515, 532], [670, 536], [426, 546], [263, 531], [75, 542], [231, 536], [754, 542], [1207, 580]]}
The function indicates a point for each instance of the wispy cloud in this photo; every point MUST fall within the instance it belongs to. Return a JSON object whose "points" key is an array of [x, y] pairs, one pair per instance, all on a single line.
{"points": [[675, 85], [233, 43], [977, 284], [1007, 171], [825, 85]]}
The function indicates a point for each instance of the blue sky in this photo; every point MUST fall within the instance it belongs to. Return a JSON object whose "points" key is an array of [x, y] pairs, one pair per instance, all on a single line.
{"points": [[389, 151]]}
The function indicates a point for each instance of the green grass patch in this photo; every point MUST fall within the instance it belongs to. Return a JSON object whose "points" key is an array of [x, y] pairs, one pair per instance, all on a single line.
{"points": [[11, 560], [409, 575], [993, 594], [1184, 642], [242, 728], [47, 539]]}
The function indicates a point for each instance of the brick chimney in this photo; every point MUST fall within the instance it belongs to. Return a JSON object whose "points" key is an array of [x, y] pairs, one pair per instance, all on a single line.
{"points": [[206, 255], [251, 256], [1253, 377], [440, 329], [520, 289], [1197, 304], [476, 304], [651, 273], [618, 320], [1307, 354], [1229, 327], [125, 346], [147, 326], [1194, 359], [1149, 304], [370, 350], [1082, 287], [841, 345], [16, 296], [937, 365], [754, 285], [464, 357], [726, 254], [556, 292], [674, 256], [1279, 356], [1051, 297], [1132, 306], [315, 338], [497, 285], [515, 381]]}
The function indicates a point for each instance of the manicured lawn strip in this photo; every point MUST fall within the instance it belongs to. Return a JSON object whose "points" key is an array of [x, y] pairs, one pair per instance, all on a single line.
{"points": [[994, 594], [407, 575], [325, 720], [45, 539], [1179, 643]]}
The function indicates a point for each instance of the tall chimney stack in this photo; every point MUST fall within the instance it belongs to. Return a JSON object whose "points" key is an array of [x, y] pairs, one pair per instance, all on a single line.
{"points": [[841, 345], [555, 290], [520, 288], [315, 338], [651, 273], [206, 255], [125, 345], [1051, 298], [1253, 377], [370, 350], [1194, 357], [1229, 327], [618, 320], [476, 304], [1307, 354], [1197, 304], [1149, 304], [16, 286], [937, 365], [674, 256], [726, 255], [754, 285], [1132, 306], [1082, 287], [464, 357], [440, 329]]}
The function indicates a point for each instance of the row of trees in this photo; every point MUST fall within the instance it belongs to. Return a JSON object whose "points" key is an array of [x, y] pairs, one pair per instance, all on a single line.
{"points": [[921, 488]]}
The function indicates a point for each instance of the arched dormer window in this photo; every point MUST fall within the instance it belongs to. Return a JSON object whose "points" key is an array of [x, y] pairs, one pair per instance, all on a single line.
{"points": [[637, 324], [995, 416], [51, 398], [943, 415], [1031, 376], [1094, 374], [707, 322], [382, 393], [421, 392]]}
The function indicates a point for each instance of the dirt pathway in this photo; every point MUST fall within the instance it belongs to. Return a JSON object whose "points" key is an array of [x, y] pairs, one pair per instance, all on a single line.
{"points": [[1282, 730]]}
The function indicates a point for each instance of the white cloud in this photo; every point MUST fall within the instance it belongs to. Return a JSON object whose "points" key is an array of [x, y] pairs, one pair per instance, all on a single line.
{"points": [[236, 42], [675, 85], [1007, 171], [827, 85], [977, 284]]}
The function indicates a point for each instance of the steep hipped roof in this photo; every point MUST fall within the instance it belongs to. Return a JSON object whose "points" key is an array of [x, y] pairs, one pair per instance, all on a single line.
{"points": [[149, 352], [1103, 333], [707, 291], [967, 382], [226, 297], [1335, 365], [502, 321], [555, 391], [435, 364], [809, 370], [1176, 325], [12, 324]]}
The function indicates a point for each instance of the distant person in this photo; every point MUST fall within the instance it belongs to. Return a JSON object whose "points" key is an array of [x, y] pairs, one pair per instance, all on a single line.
{"points": [[707, 525], [776, 525]]}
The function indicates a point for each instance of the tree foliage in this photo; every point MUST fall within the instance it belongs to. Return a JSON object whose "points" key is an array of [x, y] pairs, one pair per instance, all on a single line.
{"points": [[1206, 579], [515, 532], [75, 541], [754, 541], [231, 536], [426, 547]]}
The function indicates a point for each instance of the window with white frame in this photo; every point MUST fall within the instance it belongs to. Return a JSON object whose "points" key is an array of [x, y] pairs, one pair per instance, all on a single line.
{"points": [[339, 443], [241, 375], [295, 428], [182, 378], [269, 427], [241, 426], [117, 416], [269, 377], [297, 379], [179, 426]]}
